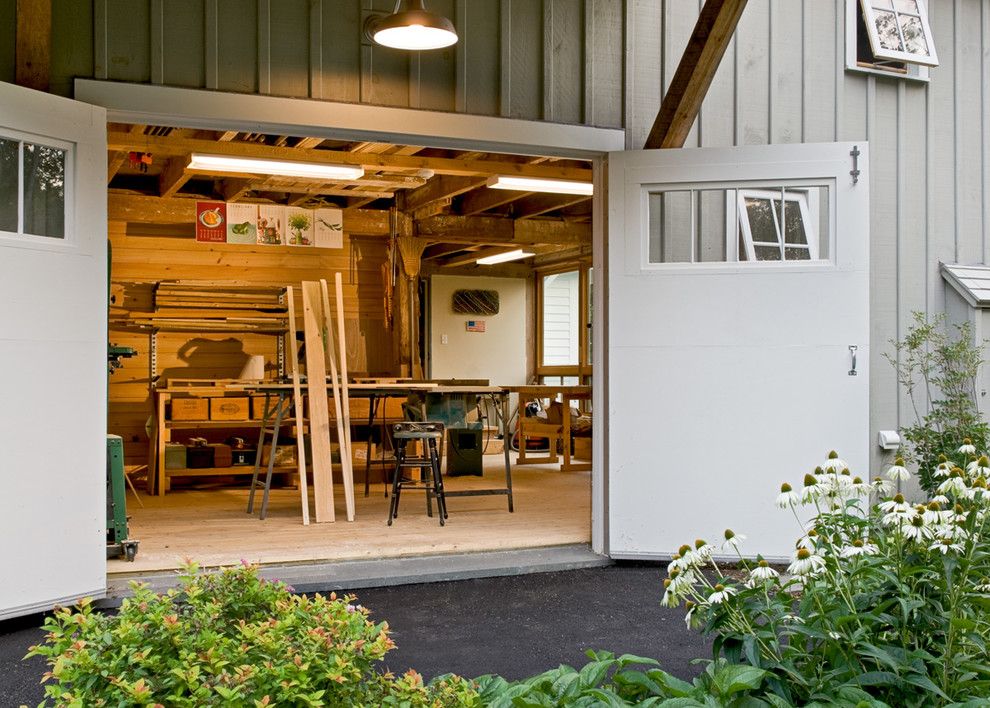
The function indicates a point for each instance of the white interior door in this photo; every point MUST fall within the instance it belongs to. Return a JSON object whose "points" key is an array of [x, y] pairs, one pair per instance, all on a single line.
{"points": [[53, 338], [738, 280]]}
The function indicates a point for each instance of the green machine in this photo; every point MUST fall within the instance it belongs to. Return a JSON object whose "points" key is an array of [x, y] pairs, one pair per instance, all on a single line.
{"points": [[118, 542]]}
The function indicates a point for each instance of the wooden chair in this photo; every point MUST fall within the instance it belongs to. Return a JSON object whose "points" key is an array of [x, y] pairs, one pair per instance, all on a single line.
{"points": [[532, 427]]}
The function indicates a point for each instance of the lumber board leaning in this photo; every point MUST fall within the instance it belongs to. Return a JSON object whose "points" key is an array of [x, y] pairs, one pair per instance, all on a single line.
{"points": [[344, 396], [339, 400], [297, 405], [319, 414]]}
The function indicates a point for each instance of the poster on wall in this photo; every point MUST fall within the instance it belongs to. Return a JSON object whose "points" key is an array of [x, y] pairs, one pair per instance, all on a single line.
{"points": [[329, 224], [211, 218], [242, 223], [271, 224], [300, 226]]}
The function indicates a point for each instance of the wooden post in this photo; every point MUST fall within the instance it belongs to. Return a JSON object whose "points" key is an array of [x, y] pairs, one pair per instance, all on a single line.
{"points": [[346, 462], [297, 403], [33, 44], [702, 55], [319, 414], [339, 394]]}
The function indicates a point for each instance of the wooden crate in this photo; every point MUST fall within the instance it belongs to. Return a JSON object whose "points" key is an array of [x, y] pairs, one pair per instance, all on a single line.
{"points": [[190, 408], [230, 408]]}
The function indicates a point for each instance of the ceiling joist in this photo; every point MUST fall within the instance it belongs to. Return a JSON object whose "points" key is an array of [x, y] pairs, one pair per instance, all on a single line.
{"points": [[384, 162]]}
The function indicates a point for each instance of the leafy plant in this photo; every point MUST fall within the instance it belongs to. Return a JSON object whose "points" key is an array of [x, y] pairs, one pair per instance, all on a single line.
{"points": [[885, 604], [299, 223], [938, 372], [229, 638], [608, 680]]}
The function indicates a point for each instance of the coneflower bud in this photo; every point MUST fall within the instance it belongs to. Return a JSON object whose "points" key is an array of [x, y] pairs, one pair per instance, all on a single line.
{"points": [[684, 550], [917, 521], [858, 542], [813, 533], [845, 471], [667, 582], [785, 487], [983, 461], [833, 455], [729, 534], [689, 604], [809, 480], [699, 543], [819, 470], [899, 498], [956, 472], [719, 587], [958, 509], [763, 564], [899, 461], [934, 506], [943, 458], [920, 508], [967, 441], [803, 554], [674, 572], [857, 480]]}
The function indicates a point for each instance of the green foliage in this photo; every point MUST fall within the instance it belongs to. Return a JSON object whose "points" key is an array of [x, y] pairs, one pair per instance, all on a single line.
{"points": [[938, 372], [608, 680], [885, 604], [229, 638]]}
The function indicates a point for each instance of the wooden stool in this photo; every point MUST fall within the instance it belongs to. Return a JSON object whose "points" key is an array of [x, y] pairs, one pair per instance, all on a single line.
{"points": [[432, 482]]}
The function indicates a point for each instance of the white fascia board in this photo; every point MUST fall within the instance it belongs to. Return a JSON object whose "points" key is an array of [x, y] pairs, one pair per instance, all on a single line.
{"points": [[213, 110]]}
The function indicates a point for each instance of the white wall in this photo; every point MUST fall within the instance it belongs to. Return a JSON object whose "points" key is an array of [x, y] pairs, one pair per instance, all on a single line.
{"points": [[498, 353]]}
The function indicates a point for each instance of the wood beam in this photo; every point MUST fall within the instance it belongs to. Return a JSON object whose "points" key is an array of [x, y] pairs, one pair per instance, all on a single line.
{"points": [[539, 204], [33, 44], [115, 160], [440, 189], [306, 143], [468, 258], [234, 188], [712, 33], [173, 176], [389, 163], [440, 250], [493, 230], [485, 199], [178, 210]]}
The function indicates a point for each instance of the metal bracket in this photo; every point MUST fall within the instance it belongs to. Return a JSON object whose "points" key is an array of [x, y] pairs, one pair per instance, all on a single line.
{"points": [[852, 353], [855, 153]]}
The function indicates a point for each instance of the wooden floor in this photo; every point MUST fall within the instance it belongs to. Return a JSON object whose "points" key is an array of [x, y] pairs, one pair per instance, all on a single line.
{"points": [[212, 527]]}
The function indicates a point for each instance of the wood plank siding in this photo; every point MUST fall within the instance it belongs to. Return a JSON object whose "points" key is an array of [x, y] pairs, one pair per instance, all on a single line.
{"points": [[607, 63]]}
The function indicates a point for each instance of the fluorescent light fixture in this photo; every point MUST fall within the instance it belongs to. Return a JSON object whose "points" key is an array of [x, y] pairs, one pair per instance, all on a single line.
{"points": [[287, 168], [503, 257], [414, 28], [538, 184]]}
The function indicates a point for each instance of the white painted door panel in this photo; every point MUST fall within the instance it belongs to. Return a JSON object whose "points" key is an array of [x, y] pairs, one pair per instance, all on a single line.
{"points": [[53, 339], [726, 379]]}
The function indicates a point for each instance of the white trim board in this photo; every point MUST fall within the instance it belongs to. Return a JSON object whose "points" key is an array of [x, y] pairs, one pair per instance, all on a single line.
{"points": [[213, 110]]}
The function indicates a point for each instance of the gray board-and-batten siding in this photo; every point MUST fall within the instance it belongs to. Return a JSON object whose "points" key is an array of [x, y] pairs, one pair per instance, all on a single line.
{"points": [[606, 63]]}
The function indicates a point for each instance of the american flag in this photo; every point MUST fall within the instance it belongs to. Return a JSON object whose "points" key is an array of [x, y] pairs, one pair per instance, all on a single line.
{"points": [[475, 325]]}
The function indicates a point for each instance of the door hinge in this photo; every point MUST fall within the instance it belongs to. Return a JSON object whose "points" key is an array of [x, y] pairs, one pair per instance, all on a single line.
{"points": [[855, 153]]}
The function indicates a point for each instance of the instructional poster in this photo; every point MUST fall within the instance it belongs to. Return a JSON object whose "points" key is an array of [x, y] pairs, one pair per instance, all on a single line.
{"points": [[211, 219], [300, 226], [242, 223], [271, 224], [329, 228]]}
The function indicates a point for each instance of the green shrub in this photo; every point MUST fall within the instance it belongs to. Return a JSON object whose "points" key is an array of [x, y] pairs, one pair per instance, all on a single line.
{"points": [[938, 372], [890, 600], [608, 680], [229, 638]]}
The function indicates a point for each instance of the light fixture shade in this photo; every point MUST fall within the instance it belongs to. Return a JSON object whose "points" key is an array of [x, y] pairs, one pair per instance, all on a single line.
{"points": [[503, 257], [286, 168], [413, 28], [539, 184]]}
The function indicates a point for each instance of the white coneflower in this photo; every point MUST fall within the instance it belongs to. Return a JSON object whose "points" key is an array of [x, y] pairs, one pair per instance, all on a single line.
{"points": [[881, 487], [932, 513], [943, 469], [979, 467], [859, 487], [897, 472], [940, 499], [703, 550], [809, 541], [984, 586], [834, 462], [690, 620], [762, 573], [721, 594], [896, 504], [811, 490], [915, 529], [967, 448], [805, 563], [788, 497], [859, 547], [944, 545], [954, 485], [732, 540]]}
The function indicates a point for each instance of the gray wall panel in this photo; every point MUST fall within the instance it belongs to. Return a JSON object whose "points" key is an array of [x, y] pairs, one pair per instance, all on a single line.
{"points": [[288, 33], [72, 43], [183, 55], [478, 86], [526, 60], [128, 40], [237, 42], [341, 51]]}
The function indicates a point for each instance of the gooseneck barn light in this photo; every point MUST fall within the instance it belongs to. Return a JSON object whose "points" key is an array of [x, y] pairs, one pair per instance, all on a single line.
{"points": [[411, 26]]}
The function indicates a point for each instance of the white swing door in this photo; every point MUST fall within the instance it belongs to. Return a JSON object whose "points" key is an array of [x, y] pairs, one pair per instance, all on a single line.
{"points": [[53, 339], [738, 344]]}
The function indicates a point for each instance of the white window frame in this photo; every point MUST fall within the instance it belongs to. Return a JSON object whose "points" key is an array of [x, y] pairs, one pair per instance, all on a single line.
{"points": [[20, 237], [798, 197], [912, 72], [869, 15]]}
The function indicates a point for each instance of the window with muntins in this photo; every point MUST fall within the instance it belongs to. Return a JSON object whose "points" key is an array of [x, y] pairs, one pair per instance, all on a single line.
{"points": [[33, 190], [890, 37]]}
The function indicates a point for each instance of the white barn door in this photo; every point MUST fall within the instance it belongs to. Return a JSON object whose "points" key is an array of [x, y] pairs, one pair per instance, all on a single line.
{"points": [[53, 339], [738, 281]]}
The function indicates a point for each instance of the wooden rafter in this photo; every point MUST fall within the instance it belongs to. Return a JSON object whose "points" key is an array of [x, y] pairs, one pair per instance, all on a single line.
{"points": [[115, 160], [493, 230], [439, 189], [33, 44], [485, 199], [539, 204], [442, 250], [173, 176], [709, 40], [378, 162]]}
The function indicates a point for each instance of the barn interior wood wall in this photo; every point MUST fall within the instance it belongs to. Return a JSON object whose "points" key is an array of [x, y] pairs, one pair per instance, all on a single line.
{"points": [[140, 258]]}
